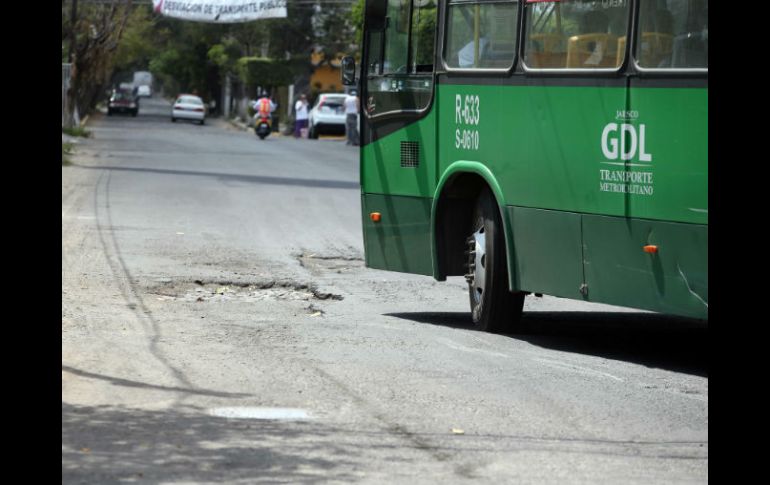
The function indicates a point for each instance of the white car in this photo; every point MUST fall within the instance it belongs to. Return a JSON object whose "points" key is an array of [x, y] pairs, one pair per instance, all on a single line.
{"points": [[144, 91], [327, 115], [188, 107]]}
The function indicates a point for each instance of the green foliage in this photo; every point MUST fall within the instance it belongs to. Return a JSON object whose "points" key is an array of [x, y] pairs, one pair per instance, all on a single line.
{"points": [[76, 131], [137, 46], [225, 55], [333, 29], [180, 59], [292, 35], [423, 33], [66, 149], [268, 73], [357, 21]]}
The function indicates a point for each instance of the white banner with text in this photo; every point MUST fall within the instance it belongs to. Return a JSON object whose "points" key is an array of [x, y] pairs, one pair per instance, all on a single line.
{"points": [[221, 11]]}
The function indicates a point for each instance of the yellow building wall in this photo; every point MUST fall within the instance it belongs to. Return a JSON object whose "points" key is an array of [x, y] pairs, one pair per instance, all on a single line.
{"points": [[329, 78]]}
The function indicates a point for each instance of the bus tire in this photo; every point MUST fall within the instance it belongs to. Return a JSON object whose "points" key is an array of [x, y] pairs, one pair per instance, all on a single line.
{"points": [[493, 307]]}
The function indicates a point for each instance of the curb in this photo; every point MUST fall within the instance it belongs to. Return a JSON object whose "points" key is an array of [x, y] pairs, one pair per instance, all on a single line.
{"points": [[238, 124]]}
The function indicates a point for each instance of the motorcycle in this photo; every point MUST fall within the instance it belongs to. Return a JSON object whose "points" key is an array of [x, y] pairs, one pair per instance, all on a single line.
{"points": [[262, 126]]}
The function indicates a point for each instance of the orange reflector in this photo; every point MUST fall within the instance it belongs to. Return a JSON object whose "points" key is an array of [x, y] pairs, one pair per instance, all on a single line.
{"points": [[376, 216], [650, 249]]}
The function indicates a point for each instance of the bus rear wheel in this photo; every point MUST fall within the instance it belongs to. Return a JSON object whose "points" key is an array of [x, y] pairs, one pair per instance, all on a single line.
{"points": [[493, 307]]}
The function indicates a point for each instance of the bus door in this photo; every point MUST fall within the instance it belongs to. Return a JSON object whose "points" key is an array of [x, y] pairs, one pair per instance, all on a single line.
{"points": [[398, 132]]}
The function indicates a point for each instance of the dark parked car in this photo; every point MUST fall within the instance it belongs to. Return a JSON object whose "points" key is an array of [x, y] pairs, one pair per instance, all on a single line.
{"points": [[123, 101]]}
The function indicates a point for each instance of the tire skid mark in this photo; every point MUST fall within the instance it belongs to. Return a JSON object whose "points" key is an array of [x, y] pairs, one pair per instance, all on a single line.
{"points": [[125, 282]]}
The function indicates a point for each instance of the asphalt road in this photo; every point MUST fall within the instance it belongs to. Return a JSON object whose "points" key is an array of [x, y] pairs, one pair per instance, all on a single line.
{"points": [[218, 326]]}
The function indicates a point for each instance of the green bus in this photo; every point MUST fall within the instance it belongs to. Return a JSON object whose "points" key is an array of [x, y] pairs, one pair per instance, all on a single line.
{"points": [[543, 146]]}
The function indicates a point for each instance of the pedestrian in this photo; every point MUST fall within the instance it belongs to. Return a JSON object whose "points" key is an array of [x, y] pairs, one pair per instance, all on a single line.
{"points": [[300, 119], [352, 105]]}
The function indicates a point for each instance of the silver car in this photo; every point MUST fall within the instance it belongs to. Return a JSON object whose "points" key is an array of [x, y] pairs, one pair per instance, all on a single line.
{"points": [[327, 115], [188, 107]]}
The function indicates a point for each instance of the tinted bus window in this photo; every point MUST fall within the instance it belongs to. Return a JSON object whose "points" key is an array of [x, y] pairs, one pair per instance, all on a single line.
{"points": [[673, 34], [374, 61], [423, 35], [574, 34], [481, 35], [400, 57], [396, 36]]}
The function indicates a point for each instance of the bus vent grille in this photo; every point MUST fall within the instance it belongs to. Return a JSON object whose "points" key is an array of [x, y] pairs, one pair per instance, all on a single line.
{"points": [[410, 154]]}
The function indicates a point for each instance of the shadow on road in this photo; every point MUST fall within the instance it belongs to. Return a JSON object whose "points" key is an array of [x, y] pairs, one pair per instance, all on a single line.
{"points": [[254, 179], [136, 384], [649, 339], [142, 117], [111, 444]]}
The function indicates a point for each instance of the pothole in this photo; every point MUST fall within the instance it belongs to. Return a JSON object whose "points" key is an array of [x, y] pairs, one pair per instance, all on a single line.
{"points": [[329, 262], [200, 291]]}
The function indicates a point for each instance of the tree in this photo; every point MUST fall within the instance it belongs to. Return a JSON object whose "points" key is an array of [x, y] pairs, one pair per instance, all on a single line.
{"points": [[267, 73], [225, 56], [357, 21], [93, 39], [181, 61], [334, 29], [139, 43]]}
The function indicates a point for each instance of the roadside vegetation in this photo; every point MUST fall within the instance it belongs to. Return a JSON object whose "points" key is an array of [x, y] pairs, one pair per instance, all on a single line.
{"points": [[76, 131], [66, 149]]}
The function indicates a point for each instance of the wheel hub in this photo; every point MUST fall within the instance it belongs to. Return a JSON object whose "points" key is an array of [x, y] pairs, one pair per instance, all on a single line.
{"points": [[476, 275]]}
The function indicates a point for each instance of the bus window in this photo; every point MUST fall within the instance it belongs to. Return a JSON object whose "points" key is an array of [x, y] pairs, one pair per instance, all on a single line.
{"points": [[423, 35], [396, 36], [574, 34], [481, 35], [374, 63], [400, 56], [673, 34]]}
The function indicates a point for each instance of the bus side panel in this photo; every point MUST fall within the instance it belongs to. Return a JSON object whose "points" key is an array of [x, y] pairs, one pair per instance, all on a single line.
{"points": [[673, 125], [619, 272], [547, 251], [542, 143], [584, 149], [557, 148], [401, 240], [403, 162]]}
